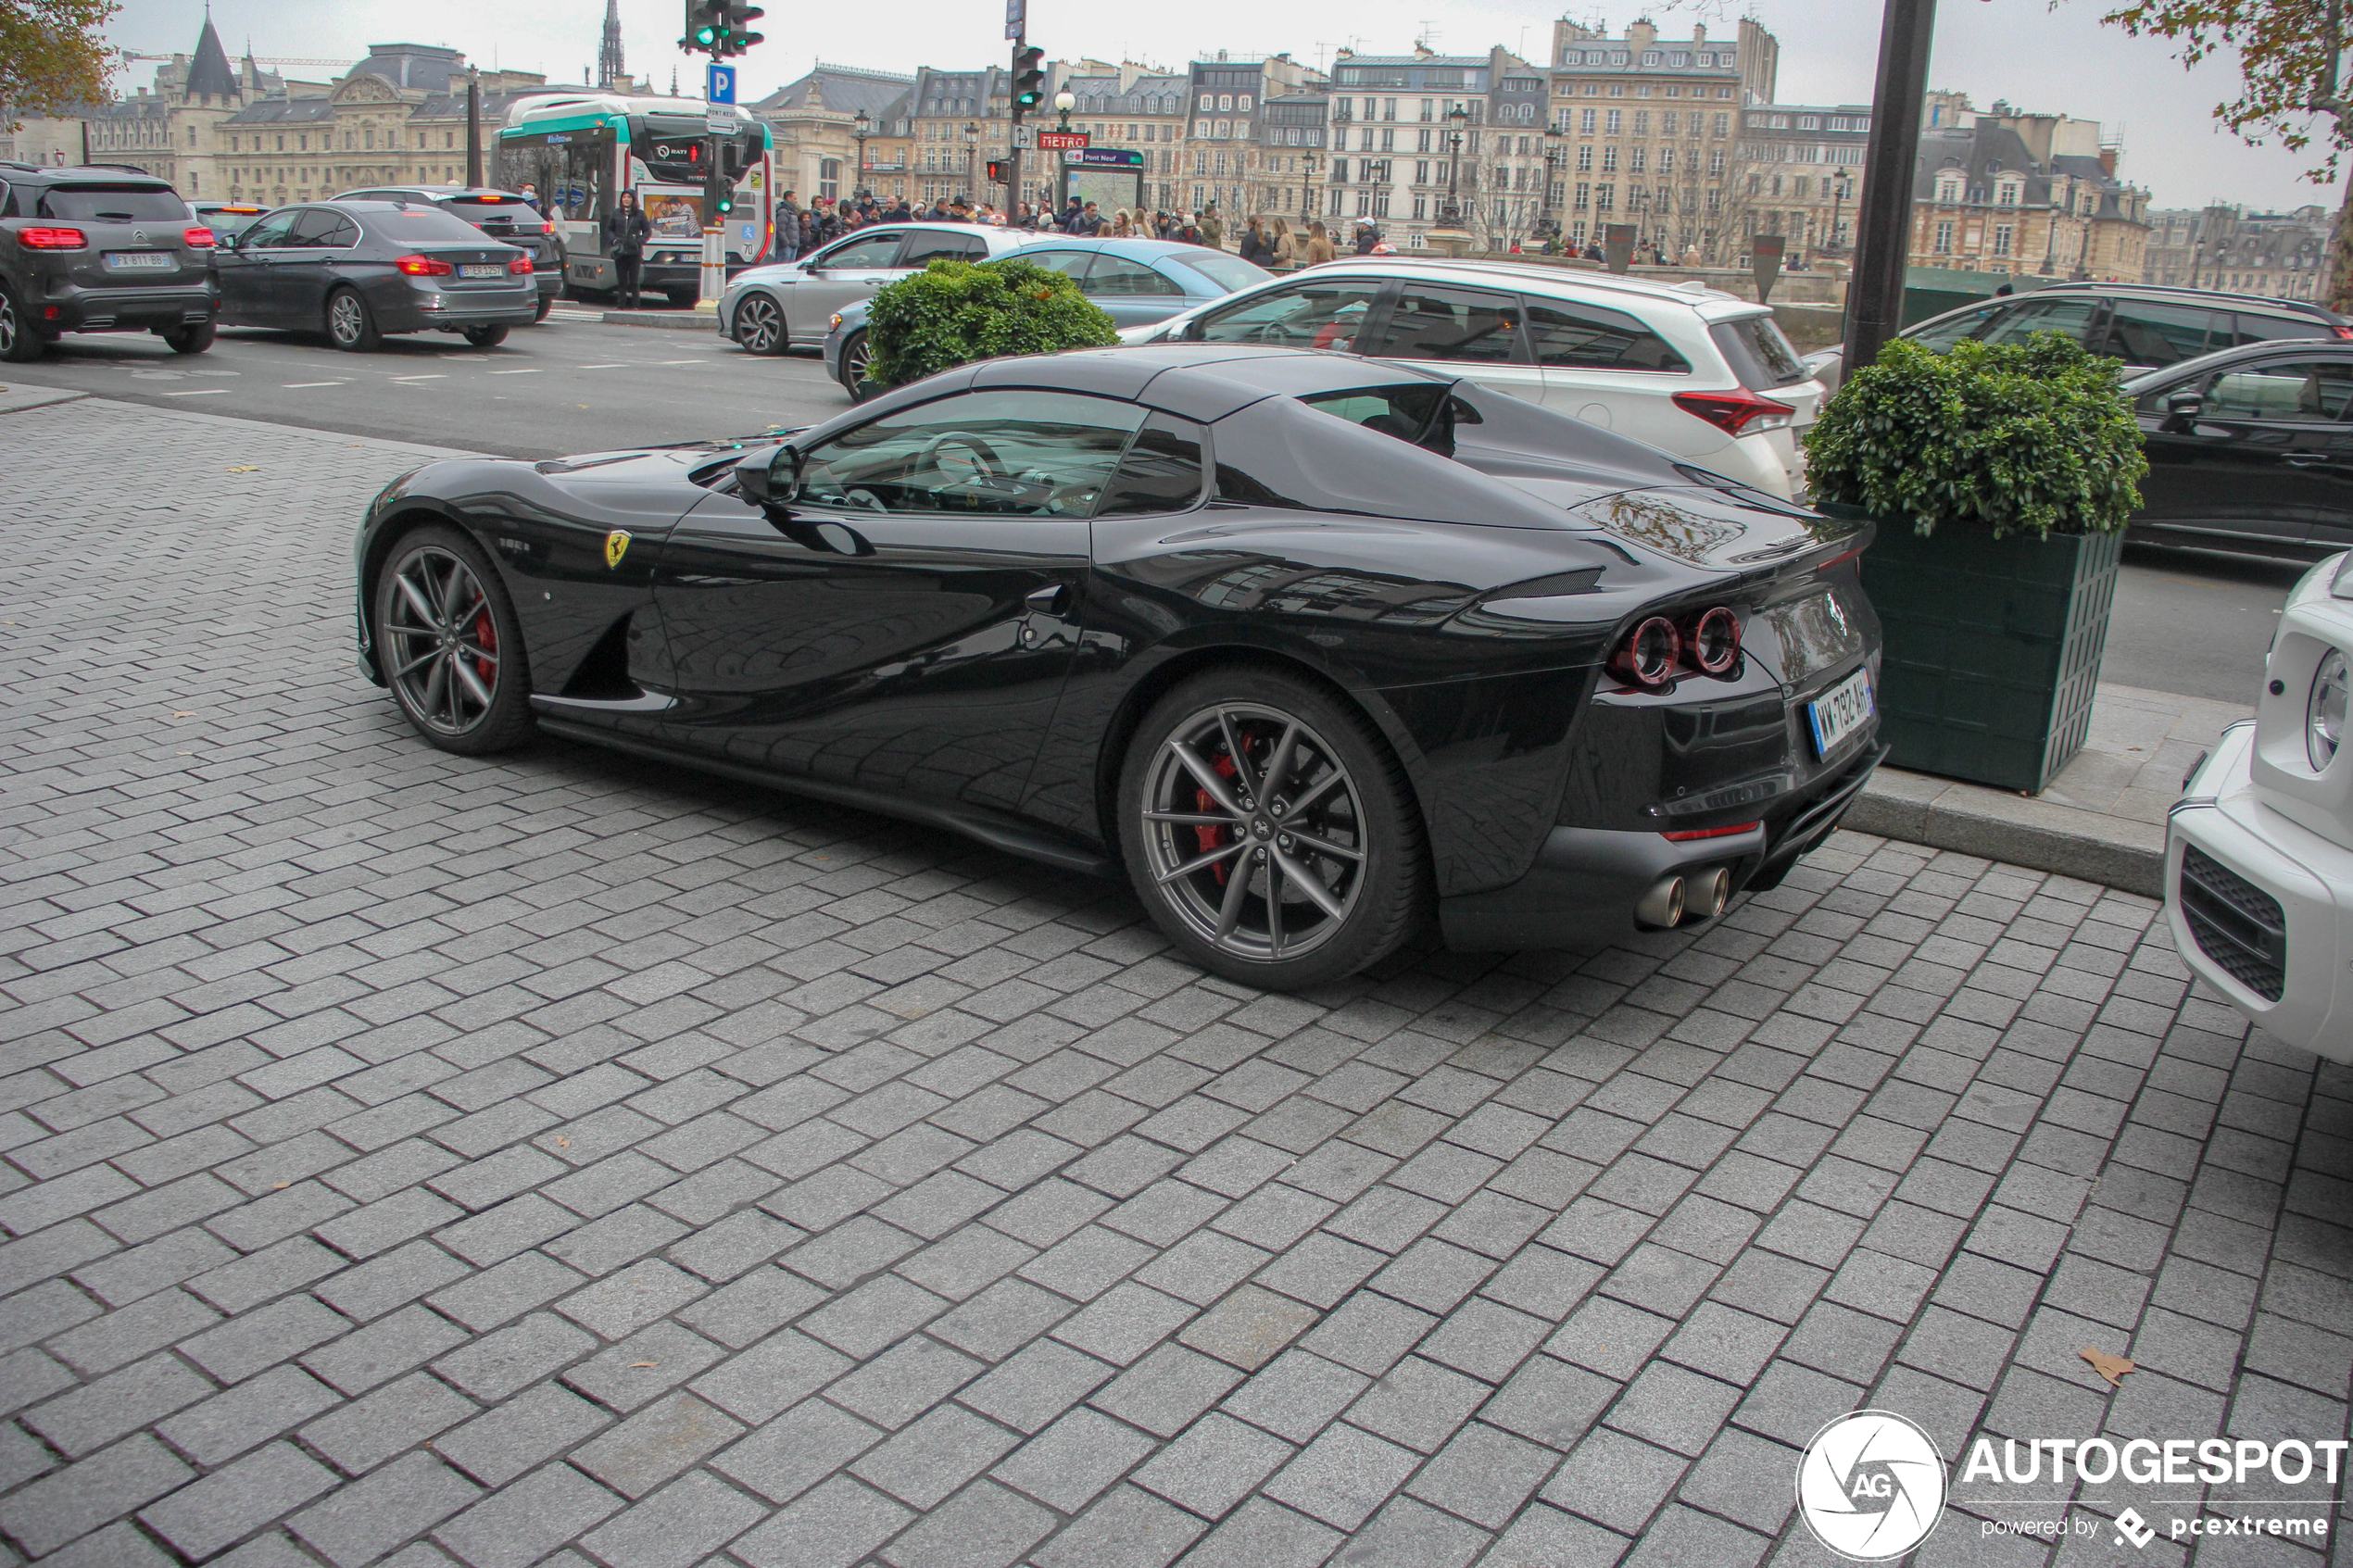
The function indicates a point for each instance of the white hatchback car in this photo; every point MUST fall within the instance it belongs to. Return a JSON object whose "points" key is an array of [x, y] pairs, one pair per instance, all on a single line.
{"points": [[2258, 863], [1693, 371]]}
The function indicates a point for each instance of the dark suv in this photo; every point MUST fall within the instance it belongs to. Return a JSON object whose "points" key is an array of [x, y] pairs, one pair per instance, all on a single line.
{"points": [[503, 214], [100, 249], [2147, 326]]}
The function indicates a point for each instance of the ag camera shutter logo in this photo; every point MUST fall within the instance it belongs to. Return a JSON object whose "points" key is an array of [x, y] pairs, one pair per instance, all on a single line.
{"points": [[1871, 1486]]}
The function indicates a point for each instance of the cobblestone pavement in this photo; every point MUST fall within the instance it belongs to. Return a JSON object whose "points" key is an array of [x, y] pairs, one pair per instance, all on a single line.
{"points": [[557, 1160]]}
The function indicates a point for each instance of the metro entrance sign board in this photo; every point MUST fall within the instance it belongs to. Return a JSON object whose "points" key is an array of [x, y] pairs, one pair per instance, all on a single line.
{"points": [[1061, 141]]}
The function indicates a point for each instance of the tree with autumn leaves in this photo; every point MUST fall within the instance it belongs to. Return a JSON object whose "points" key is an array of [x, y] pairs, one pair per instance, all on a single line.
{"points": [[2289, 55], [51, 56]]}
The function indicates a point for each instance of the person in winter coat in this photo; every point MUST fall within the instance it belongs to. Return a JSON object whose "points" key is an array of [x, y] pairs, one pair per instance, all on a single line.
{"points": [[1288, 248], [1257, 245], [1213, 228], [787, 228], [1319, 245], [1366, 238], [626, 235]]}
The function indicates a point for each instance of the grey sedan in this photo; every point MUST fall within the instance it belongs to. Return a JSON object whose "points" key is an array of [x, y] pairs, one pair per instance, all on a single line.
{"points": [[788, 304], [1137, 283]]}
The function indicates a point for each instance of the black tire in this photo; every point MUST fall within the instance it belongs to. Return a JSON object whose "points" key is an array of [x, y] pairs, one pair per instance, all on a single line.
{"points": [[546, 303], [351, 326], [420, 665], [684, 299], [486, 337], [192, 338], [851, 363], [1370, 858], [760, 326], [19, 343]]}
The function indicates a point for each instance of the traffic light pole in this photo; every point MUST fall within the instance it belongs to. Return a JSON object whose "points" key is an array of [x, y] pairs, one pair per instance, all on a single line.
{"points": [[1025, 91]]}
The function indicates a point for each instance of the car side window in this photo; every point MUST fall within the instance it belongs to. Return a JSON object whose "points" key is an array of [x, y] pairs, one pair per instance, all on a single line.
{"points": [[1460, 326], [924, 246], [2141, 331], [2069, 318], [868, 253], [1161, 472], [1071, 264], [1944, 333], [2251, 328], [1007, 453], [314, 226], [2294, 392], [1126, 276], [1326, 314], [269, 231], [1591, 337]]}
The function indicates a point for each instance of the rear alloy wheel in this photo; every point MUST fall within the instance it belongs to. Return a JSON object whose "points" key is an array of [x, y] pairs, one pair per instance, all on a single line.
{"points": [[18, 341], [1269, 832], [856, 356], [193, 338], [351, 326], [760, 325], [546, 303], [486, 337], [448, 645]]}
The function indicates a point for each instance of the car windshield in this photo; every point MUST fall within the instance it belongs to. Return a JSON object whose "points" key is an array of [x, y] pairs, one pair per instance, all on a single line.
{"points": [[223, 222], [1228, 273], [124, 203], [1423, 413], [421, 225]]}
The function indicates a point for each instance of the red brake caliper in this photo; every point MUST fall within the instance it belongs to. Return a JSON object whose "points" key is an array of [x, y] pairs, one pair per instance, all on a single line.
{"points": [[1214, 837], [486, 639]]}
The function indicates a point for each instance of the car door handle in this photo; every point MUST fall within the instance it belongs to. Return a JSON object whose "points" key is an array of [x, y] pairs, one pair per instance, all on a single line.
{"points": [[2306, 459], [1050, 599]]}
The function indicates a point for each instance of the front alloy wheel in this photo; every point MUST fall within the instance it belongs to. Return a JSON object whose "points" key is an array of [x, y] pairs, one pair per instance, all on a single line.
{"points": [[448, 647], [1269, 833], [857, 354], [760, 325]]}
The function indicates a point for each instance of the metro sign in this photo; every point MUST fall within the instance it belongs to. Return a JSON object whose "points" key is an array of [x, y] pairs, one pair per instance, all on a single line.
{"points": [[1061, 141]]}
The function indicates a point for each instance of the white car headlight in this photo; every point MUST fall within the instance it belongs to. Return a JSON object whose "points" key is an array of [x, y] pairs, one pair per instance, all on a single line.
{"points": [[2324, 711]]}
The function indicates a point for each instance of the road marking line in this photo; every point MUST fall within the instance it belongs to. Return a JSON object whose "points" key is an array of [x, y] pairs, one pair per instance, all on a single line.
{"points": [[292, 385], [677, 362], [514, 372], [201, 392], [619, 367], [434, 376]]}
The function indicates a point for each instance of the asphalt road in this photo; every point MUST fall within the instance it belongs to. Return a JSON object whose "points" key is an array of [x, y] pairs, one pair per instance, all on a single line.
{"points": [[2185, 622], [571, 384]]}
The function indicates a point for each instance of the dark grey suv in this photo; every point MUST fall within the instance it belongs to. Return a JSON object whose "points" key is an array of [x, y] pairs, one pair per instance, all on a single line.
{"points": [[503, 214], [100, 249]]}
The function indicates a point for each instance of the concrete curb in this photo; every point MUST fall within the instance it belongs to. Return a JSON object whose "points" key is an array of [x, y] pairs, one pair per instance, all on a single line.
{"points": [[2117, 852], [700, 319], [15, 399]]}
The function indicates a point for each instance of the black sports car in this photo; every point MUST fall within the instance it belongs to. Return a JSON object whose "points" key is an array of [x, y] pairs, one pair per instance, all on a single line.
{"points": [[1308, 645]]}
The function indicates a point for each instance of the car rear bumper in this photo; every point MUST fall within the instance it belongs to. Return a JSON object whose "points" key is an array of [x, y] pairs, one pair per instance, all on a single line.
{"points": [[75, 309], [516, 306], [1587, 881], [2286, 965]]}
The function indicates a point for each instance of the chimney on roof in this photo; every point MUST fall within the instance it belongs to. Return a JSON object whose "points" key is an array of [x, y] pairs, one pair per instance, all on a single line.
{"points": [[1699, 33]]}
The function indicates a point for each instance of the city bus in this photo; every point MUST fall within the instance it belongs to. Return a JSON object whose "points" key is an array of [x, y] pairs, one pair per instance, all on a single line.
{"points": [[580, 151]]}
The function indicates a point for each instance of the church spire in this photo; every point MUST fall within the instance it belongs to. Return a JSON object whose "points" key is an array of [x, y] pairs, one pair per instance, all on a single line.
{"points": [[609, 71], [209, 75]]}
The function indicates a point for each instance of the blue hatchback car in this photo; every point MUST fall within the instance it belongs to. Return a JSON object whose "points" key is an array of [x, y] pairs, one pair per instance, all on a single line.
{"points": [[1137, 283]]}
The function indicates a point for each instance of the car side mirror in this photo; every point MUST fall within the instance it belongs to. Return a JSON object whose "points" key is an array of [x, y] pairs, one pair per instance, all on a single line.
{"points": [[2184, 404], [768, 478]]}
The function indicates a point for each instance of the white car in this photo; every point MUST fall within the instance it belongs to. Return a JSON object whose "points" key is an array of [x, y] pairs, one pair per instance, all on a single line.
{"points": [[1701, 374], [791, 304], [2258, 855]]}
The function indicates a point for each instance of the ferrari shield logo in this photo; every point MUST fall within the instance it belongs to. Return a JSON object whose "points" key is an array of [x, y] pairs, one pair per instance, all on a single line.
{"points": [[616, 546]]}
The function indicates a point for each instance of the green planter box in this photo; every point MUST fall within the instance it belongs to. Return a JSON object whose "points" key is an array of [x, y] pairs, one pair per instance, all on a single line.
{"points": [[1993, 648]]}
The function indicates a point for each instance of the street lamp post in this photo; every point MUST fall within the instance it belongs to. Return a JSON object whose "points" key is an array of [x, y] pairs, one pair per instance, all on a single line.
{"points": [[1065, 101], [1555, 150], [972, 141], [473, 126], [1456, 118], [1308, 205], [862, 126], [1841, 189]]}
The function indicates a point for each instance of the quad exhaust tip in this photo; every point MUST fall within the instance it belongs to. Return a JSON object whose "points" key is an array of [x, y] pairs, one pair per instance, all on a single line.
{"points": [[1678, 900]]}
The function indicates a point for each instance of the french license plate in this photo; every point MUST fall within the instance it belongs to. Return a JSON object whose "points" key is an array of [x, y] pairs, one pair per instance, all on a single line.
{"points": [[120, 260], [1840, 711], [482, 269]]}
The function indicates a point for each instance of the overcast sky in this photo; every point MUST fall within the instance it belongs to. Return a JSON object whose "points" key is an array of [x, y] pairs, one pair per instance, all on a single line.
{"points": [[2056, 59]]}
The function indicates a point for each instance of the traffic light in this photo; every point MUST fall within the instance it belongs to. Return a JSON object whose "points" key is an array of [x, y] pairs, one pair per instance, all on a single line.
{"points": [[1029, 79], [703, 22], [735, 34], [996, 173]]}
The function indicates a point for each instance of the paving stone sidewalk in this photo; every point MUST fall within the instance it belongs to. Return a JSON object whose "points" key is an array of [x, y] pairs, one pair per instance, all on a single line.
{"points": [[551, 1158]]}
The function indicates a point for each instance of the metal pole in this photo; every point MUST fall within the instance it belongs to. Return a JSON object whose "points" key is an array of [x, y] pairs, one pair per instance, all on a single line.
{"points": [[1883, 215], [473, 127]]}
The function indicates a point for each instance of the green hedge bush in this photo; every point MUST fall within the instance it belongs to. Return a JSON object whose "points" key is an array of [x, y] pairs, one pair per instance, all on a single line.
{"points": [[2037, 438], [954, 312]]}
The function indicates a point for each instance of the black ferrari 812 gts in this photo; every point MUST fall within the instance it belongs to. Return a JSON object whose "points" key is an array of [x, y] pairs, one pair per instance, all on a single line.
{"points": [[1311, 649]]}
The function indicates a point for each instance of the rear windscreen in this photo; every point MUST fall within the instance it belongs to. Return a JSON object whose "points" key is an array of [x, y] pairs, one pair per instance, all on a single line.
{"points": [[1759, 355], [419, 225], [124, 203]]}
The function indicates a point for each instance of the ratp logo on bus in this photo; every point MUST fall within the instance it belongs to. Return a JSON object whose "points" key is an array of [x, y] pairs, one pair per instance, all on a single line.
{"points": [[1871, 1486]]}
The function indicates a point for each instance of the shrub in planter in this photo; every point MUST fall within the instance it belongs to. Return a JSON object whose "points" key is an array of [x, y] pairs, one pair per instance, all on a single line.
{"points": [[2001, 479], [954, 312]]}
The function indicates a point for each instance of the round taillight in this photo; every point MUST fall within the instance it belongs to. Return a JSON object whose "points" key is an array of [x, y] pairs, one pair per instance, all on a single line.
{"points": [[1712, 643], [1647, 657]]}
